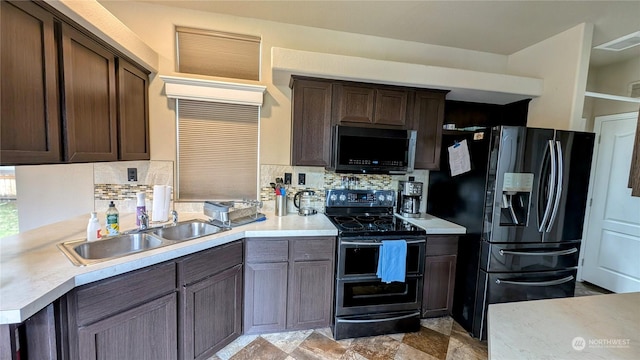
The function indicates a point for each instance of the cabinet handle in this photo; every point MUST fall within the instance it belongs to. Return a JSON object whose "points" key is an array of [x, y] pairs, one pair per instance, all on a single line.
{"points": [[536, 283], [417, 313], [546, 253]]}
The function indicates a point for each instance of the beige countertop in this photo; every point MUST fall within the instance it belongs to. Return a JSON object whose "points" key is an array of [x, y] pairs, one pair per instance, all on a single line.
{"points": [[587, 327], [434, 225], [34, 272]]}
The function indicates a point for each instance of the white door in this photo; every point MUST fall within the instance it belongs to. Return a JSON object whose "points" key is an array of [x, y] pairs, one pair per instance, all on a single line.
{"points": [[611, 246]]}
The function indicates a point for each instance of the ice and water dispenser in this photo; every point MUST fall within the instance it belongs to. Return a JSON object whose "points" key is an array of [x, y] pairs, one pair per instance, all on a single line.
{"points": [[516, 199]]}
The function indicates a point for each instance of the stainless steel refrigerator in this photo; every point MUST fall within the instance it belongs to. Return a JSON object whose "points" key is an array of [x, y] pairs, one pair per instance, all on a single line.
{"points": [[523, 204]]}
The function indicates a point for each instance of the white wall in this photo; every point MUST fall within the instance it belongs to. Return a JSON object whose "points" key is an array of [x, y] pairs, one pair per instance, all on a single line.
{"points": [[154, 24], [563, 62], [612, 79], [51, 193]]}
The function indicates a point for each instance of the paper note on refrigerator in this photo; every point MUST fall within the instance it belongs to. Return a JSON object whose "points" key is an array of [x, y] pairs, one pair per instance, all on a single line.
{"points": [[459, 160]]}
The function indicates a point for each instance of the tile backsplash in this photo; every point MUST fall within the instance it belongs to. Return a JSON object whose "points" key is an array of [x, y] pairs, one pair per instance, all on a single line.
{"points": [[111, 184], [318, 179]]}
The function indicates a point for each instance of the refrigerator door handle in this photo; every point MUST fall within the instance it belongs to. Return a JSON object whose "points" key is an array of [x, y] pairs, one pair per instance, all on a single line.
{"points": [[558, 191], [552, 181], [573, 250], [536, 283]]}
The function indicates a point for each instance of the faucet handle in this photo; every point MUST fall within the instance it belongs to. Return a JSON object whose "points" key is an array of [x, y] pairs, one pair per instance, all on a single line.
{"points": [[144, 220], [174, 217]]}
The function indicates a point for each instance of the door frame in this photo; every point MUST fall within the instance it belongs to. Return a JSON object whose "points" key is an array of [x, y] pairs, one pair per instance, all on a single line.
{"points": [[597, 126]]}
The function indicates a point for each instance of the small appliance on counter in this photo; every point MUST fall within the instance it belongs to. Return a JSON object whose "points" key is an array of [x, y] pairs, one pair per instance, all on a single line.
{"points": [[233, 213], [303, 201], [409, 196]]}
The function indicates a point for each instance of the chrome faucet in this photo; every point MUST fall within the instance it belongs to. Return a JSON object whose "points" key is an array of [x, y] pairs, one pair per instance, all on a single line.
{"points": [[144, 221], [174, 217]]}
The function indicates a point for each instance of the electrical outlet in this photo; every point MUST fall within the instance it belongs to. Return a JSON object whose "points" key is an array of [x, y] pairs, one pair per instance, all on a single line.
{"points": [[287, 178], [132, 174], [302, 179]]}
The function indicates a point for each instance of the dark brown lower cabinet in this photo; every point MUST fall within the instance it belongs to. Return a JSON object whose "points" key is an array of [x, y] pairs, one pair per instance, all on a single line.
{"points": [[310, 289], [147, 331], [439, 275], [265, 297], [212, 313], [290, 286]]}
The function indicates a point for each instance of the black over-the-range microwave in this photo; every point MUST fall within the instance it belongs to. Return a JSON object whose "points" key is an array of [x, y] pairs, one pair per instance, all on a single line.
{"points": [[372, 150]]}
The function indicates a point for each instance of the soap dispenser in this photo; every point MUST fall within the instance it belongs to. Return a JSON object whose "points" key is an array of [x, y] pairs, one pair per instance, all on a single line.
{"points": [[93, 228], [113, 220]]}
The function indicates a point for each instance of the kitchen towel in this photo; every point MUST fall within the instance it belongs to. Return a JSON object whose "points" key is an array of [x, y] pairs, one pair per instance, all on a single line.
{"points": [[159, 211], [392, 261]]}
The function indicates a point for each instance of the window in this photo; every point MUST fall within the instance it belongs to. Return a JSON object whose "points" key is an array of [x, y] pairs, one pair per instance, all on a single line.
{"points": [[217, 53], [8, 205], [217, 150]]}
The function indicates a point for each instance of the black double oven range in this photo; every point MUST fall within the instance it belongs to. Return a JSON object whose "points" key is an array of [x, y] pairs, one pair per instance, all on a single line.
{"points": [[364, 305]]}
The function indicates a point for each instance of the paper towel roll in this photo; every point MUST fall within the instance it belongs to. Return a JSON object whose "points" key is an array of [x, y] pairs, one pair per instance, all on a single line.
{"points": [[158, 212], [167, 201]]}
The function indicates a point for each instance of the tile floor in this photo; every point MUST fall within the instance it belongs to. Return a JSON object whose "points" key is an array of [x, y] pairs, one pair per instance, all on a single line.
{"points": [[438, 338]]}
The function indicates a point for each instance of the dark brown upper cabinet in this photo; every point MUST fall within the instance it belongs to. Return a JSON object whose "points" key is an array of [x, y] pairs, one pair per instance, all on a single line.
{"points": [[89, 76], [133, 112], [66, 97], [319, 104], [30, 126], [427, 117], [369, 104], [311, 114]]}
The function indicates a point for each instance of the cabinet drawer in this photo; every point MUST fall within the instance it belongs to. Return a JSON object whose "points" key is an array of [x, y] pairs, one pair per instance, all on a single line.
{"points": [[266, 250], [209, 262], [442, 245], [109, 296], [321, 248]]}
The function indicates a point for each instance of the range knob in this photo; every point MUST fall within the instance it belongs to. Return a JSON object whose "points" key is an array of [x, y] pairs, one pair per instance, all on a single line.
{"points": [[390, 198], [333, 197], [343, 197], [381, 198]]}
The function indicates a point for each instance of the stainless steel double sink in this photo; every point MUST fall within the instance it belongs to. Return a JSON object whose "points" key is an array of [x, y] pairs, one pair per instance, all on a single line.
{"points": [[82, 252]]}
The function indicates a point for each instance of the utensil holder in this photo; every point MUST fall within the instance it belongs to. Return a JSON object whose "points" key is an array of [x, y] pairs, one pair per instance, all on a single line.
{"points": [[281, 205]]}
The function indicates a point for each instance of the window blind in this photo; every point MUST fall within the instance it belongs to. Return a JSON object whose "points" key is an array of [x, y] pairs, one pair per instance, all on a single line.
{"points": [[217, 150], [217, 53]]}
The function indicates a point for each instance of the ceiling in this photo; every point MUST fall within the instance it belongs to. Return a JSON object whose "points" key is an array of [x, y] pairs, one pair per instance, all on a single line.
{"points": [[500, 27]]}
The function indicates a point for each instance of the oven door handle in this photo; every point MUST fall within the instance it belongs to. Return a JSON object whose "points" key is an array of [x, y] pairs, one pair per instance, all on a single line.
{"points": [[533, 253], [537, 283], [361, 243], [368, 321]]}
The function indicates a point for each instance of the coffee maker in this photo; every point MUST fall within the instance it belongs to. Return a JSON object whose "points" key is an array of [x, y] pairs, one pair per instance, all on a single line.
{"points": [[409, 195]]}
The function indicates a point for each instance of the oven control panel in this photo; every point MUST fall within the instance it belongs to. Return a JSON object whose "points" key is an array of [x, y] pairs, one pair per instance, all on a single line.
{"points": [[360, 198]]}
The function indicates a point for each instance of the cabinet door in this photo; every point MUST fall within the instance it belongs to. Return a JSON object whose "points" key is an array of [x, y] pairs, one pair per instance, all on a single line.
{"points": [[353, 104], [391, 107], [439, 280], [145, 332], [212, 314], [311, 113], [265, 297], [30, 126], [428, 115], [310, 294], [133, 112], [90, 99]]}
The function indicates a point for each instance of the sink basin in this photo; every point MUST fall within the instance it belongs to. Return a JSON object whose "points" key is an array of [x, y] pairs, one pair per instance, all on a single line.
{"points": [[117, 246], [187, 230], [82, 253]]}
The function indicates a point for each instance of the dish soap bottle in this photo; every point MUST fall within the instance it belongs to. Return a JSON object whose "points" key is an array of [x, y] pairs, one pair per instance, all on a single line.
{"points": [[140, 207], [113, 221], [93, 228]]}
